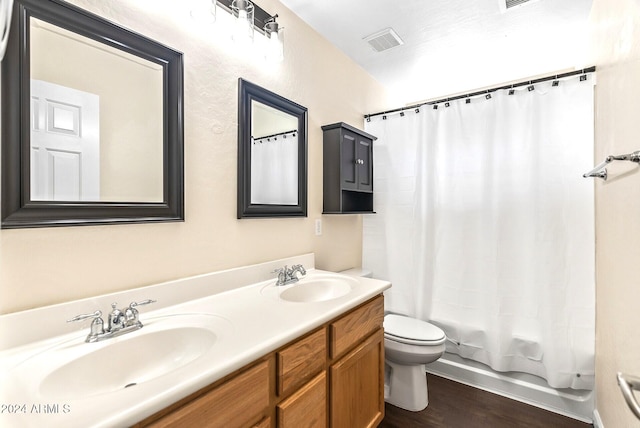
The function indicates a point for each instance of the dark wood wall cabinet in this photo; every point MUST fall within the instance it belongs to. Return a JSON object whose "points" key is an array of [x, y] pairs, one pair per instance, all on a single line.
{"points": [[348, 170]]}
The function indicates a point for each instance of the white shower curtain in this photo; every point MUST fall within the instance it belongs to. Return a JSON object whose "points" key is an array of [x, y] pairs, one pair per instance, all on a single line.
{"points": [[485, 226], [274, 169]]}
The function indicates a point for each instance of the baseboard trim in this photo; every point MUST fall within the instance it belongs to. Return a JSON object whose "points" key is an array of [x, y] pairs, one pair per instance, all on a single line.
{"points": [[597, 421]]}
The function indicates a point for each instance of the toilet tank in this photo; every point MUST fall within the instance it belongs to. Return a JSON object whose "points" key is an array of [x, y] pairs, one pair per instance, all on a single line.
{"points": [[357, 272]]}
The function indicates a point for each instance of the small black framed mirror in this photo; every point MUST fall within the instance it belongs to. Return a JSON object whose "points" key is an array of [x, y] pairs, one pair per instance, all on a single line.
{"points": [[92, 121], [272, 154]]}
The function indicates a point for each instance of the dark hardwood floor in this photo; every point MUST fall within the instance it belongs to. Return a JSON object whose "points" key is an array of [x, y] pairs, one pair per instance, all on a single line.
{"points": [[454, 405]]}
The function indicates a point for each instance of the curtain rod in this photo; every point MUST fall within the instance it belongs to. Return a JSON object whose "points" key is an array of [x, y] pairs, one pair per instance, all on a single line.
{"points": [[487, 91], [275, 135]]}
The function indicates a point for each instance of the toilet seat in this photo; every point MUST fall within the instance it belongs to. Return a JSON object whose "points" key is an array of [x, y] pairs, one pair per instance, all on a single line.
{"points": [[412, 331]]}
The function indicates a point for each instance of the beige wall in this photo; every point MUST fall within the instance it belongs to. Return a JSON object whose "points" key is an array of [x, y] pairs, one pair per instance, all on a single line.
{"points": [[49, 265], [616, 43]]}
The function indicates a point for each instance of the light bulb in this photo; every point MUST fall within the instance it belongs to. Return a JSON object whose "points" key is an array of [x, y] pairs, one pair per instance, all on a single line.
{"points": [[204, 11], [274, 51], [275, 48]]}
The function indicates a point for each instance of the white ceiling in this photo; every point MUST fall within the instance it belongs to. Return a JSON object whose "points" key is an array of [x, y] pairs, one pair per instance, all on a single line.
{"points": [[453, 46]]}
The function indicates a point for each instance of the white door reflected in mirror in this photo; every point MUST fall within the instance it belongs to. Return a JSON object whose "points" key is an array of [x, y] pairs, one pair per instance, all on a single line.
{"points": [[65, 143]]}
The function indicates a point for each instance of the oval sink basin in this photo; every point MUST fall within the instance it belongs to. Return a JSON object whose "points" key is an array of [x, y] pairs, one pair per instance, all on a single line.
{"points": [[314, 288], [163, 345]]}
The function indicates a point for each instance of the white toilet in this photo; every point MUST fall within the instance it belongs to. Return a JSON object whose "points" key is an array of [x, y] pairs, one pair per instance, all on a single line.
{"points": [[409, 344]]}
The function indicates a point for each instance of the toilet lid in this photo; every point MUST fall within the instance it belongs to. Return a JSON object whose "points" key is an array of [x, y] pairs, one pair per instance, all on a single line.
{"points": [[411, 329]]}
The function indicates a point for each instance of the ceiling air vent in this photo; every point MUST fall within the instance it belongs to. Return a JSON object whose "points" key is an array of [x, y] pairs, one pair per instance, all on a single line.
{"points": [[383, 40], [508, 4]]}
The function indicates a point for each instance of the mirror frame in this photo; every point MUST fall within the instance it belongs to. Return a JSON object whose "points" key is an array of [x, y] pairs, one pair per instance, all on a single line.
{"points": [[248, 92], [18, 210]]}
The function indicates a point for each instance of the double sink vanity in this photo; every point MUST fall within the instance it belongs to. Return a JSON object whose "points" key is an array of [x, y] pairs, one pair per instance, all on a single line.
{"points": [[223, 349], [228, 348]]}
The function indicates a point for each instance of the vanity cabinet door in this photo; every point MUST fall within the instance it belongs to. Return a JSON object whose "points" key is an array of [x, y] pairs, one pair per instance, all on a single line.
{"points": [[364, 164], [348, 161], [307, 407], [356, 169], [357, 385]]}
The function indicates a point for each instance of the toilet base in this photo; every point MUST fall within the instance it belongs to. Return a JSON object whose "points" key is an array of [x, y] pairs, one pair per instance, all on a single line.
{"points": [[407, 387]]}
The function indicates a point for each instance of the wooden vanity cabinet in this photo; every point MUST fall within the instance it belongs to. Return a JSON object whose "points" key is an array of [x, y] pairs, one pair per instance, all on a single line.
{"points": [[330, 377]]}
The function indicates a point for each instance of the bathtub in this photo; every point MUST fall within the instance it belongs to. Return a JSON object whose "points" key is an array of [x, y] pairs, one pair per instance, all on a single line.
{"points": [[530, 389]]}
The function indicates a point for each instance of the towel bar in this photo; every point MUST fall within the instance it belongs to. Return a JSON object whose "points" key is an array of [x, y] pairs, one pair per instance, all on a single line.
{"points": [[601, 172], [628, 384]]}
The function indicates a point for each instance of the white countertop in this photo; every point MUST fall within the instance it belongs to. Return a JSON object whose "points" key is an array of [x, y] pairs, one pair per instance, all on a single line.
{"points": [[252, 324]]}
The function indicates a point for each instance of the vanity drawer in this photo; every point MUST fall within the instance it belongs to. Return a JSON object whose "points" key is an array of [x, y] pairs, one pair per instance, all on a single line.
{"points": [[237, 403], [297, 363], [307, 407], [355, 326]]}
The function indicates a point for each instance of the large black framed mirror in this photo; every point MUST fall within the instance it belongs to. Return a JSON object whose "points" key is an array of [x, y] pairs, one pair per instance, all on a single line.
{"points": [[92, 121], [272, 154]]}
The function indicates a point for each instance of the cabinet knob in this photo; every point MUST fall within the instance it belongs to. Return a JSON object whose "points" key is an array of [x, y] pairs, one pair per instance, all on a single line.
{"points": [[359, 161]]}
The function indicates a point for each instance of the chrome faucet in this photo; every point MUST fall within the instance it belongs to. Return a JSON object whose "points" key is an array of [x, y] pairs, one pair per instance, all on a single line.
{"points": [[116, 318], [287, 275], [118, 322]]}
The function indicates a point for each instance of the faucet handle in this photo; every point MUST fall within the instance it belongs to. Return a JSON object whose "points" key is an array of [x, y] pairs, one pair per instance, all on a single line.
{"points": [[97, 325], [97, 314], [142, 302], [282, 275], [131, 313], [300, 268]]}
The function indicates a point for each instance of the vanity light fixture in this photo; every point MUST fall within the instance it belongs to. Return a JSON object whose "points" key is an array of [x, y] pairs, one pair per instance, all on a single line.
{"points": [[243, 26], [204, 11], [275, 42], [247, 19]]}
